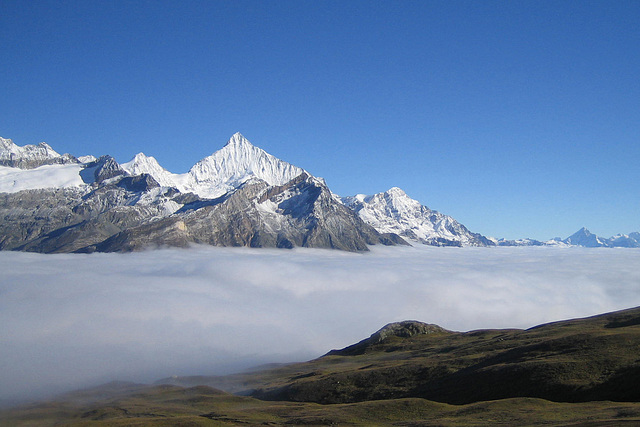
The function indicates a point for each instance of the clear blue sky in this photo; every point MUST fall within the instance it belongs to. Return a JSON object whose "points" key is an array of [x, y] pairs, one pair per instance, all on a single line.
{"points": [[518, 118]]}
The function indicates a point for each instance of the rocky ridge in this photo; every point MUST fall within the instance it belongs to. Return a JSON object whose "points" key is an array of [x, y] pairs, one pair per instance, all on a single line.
{"points": [[31, 156], [395, 212], [583, 238]]}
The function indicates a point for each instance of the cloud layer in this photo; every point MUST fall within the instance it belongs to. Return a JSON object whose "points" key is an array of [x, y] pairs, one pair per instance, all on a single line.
{"points": [[74, 320]]}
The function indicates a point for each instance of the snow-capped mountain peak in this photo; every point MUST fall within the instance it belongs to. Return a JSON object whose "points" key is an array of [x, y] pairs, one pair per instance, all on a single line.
{"points": [[43, 149], [30, 156], [141, 163], [238, 140], [396, 192], [234, 164], [393, 211], [584, 237]]}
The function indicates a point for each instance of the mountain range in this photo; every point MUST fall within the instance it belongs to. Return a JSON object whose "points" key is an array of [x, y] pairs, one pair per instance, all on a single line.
{"points": [[238, 196]]}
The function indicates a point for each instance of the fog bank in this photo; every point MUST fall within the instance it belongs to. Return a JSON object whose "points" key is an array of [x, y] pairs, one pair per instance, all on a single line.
{"points": [[74, 320]]}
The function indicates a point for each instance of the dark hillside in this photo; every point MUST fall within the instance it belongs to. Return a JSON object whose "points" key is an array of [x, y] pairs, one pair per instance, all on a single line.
{"points": [[596, 358]]}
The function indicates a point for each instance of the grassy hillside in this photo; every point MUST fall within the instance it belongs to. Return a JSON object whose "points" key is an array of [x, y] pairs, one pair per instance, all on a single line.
{"points": [[166, 405], [577, 372], [596, 358]]}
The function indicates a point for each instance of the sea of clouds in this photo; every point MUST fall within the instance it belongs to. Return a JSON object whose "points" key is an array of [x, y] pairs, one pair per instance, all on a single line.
{"points": [[69, 321]]}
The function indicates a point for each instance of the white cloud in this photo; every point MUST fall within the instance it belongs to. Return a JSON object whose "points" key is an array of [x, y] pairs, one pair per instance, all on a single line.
{"points": [[72, 320]]}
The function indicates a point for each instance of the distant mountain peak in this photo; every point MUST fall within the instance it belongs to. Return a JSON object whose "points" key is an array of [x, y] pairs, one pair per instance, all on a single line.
{"points": [[141, 156], [395, 212], [30, 156], [584, 237], [43, 150], [141, 163], [140, 160]]}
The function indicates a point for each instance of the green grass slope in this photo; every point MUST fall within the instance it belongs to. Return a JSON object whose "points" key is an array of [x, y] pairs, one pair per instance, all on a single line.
{"points": [[579, 360], [166, 405], [581, 372]]}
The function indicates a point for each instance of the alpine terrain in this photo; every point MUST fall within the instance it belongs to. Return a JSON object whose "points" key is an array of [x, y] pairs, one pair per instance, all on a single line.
{"points": [[238, 196], [395, 212]]}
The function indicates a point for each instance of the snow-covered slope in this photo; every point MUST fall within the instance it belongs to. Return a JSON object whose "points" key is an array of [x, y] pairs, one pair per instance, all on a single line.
{"points": [[146, 164], [235, 163], [395, 212], [13, 180], [224, 170], [584, 237]]}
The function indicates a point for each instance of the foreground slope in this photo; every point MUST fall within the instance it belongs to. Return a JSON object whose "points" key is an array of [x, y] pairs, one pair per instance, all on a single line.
{"points": [[571, 361], [122, 404], [577, 372]]}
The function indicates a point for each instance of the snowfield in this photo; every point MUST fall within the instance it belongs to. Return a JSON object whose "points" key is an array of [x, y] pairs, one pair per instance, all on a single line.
{"points": [[13, 180], [75, 320]]}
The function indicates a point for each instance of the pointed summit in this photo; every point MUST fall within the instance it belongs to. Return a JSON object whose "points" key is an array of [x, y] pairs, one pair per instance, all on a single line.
{"points": [[238, 140], [584, 237], [141, 163], [234, 164]]}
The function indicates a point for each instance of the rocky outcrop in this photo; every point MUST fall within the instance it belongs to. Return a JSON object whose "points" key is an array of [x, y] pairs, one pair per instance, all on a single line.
{"points": [[405, 329], [102, 169]]}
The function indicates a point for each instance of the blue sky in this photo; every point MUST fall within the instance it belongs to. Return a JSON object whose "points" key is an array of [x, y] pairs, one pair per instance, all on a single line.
{"points": [[518, 118]]}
